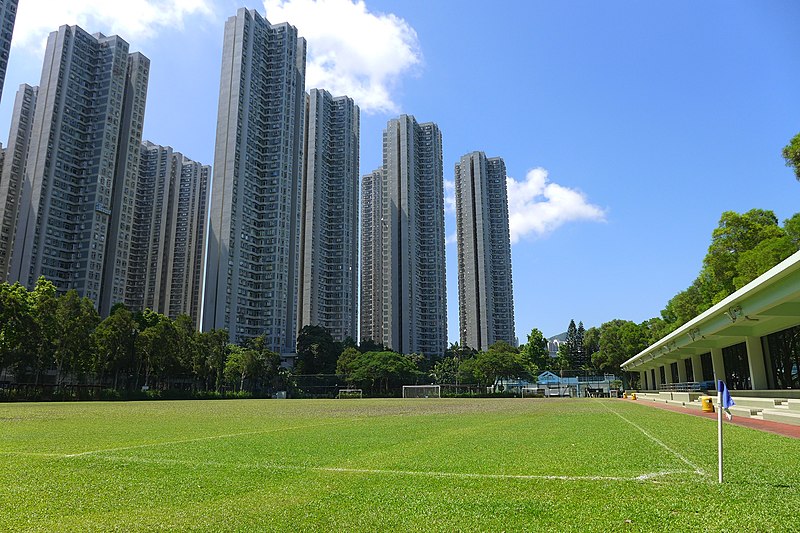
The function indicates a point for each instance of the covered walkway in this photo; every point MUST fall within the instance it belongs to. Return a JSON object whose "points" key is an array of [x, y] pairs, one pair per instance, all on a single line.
{"points": [[751, 339]]}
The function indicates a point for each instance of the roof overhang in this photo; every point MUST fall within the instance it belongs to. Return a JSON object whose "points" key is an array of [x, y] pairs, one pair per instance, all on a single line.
{"points": [[767, 304]]}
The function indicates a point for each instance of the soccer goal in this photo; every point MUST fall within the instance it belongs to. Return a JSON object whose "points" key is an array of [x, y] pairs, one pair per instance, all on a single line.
{"points": [[350, 393], [422, 391]]}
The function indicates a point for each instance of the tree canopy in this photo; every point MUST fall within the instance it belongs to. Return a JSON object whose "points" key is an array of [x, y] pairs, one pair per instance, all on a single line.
{"points": [[791, 153]]}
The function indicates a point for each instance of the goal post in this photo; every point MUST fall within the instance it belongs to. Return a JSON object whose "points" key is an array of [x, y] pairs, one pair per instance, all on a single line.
{"points": [[350, 393], [422, 391]]}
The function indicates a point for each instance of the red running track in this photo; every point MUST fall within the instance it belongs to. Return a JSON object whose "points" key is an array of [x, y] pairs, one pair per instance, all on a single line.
{"points": [[787, 430]]}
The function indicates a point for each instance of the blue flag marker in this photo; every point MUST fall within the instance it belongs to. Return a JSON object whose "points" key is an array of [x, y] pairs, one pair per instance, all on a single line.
{"points": [[727, 401]]}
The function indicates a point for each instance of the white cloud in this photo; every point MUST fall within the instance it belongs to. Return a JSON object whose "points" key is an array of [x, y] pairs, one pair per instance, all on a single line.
{"points": [[351, 51], [451, 239], [133, 20], [537, 206]]}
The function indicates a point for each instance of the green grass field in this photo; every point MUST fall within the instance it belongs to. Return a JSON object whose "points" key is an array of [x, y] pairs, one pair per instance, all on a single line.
{"points": [[387, 465]]}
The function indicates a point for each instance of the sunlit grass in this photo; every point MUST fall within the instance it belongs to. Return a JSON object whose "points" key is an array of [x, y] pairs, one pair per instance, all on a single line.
{"points": [[566, 465]]}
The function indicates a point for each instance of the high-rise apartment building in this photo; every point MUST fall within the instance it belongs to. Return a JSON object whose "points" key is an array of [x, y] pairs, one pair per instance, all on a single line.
{"points": [[8, 14], [371, 315], [76, 213], [253, 248], [13, 171], [328, 282], [485, 289], [403, 278], [166, 260]]}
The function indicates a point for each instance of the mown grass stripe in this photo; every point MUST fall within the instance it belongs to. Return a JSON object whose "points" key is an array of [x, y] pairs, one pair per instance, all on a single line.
{"points": [[381, 471], [206, 438], [696, 468]]}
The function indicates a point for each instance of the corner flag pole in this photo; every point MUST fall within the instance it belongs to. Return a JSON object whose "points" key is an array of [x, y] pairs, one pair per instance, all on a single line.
{"points": [[719, 431]]}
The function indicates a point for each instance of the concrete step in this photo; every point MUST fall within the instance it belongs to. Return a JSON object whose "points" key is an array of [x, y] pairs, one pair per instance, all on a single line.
{"points": [[743, 410], [762, 403], [793, 404], [779, 415], [686, 396]]}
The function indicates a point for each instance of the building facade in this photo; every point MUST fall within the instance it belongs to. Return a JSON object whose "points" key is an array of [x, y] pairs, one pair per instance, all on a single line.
{"points": [[485, 285], [76, 210], [167, 248], [371, 315], [8, 15], [328, 283], [406, 233], [254, 233], [13, 171]]}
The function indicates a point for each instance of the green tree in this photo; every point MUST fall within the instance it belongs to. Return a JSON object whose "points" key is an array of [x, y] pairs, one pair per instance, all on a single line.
{"points": [[270, 361], [498, 362], [213, 347], [158, 346], [791, 153], [44, 335], [791, 226], [76, 319], [591, 344], [735, 235], [382, 371], [683, 307], [369, 345], [445, 370], [343, 364], [534, 355], [317, 353], [244, 364], [580, 358], [17, 327], [619, 341], [574, 356], [765, 255], [114, 340], [657, 328]]}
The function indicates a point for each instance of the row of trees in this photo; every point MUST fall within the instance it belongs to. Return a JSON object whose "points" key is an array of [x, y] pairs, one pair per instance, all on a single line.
{"points": [[60, 340]]}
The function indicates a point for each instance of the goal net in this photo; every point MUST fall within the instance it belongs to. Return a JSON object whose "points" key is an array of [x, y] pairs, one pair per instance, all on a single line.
{"points": [[350, 393], [422, 391]]}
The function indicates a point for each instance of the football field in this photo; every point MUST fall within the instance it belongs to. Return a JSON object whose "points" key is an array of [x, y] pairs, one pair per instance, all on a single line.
{"points": [[388, 465]]}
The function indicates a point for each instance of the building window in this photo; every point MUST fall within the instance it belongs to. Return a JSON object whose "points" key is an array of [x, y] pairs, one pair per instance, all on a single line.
{"points": [[782, 351], [708, 367], [737, 368]]}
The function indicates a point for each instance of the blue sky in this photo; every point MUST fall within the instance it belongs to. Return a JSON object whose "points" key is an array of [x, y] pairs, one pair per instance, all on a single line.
{"points": [[627, 127]]}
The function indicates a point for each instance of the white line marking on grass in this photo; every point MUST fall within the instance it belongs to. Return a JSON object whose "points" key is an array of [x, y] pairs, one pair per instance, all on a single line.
{"points": [[376, 471], [32, 454], [199, 439], [694, 467]]}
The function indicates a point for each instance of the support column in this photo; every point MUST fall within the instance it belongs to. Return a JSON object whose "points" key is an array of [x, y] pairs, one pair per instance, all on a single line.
{"points": [[719, 364], [668, 373], [682, 371], [697, 368], [643, 380], [755, 359]]}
